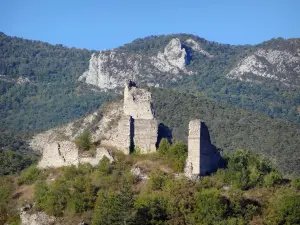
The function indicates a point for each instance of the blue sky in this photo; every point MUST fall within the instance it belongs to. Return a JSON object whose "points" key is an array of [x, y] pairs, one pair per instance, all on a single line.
{"points": [[107, 24]]}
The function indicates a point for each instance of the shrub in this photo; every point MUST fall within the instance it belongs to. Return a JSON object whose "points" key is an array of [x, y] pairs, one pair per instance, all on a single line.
{"points": [[150, 209], [157, 180], [112, 208], [163, 147], [284, 209], [246, 170], [84, 141], [272, 179], [30, 175], [104, 167], [296, 183], [210, 208]]}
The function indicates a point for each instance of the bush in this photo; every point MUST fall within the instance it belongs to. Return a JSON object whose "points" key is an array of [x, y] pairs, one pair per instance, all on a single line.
{"points": [[84, 141], [104, 167], [114, 208], [163, 147], [296, 183], [284, 209], [210, 208], [272, 179], [150, 209], [157, 180], [13, 162], [246, 170], [30, 175]]}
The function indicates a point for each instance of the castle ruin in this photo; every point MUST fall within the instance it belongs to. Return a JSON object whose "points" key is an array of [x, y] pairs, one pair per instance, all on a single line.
{"points": [[138, 123], [128, 126], [203, 158]]}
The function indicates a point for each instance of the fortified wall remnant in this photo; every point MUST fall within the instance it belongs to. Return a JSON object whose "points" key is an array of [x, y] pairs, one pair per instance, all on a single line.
{"points": [[203, 158], [138, 105], [65, 153], [137, 127]]}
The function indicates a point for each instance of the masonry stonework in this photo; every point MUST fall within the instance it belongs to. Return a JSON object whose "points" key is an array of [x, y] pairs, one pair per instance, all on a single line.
{"points": [[145, 135], [203, 158]]}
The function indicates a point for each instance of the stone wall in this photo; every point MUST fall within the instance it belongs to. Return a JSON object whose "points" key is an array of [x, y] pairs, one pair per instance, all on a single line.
{"points": [[65, 153], [137, 102], [121, 136], [145, 135], [203, 158]]}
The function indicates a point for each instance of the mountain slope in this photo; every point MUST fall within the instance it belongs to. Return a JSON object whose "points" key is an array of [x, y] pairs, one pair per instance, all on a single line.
{"points": [[264, 78], [231, 128], [38, 85]]}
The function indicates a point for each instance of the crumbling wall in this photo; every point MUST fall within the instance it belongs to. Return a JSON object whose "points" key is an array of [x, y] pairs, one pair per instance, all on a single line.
{"points": [[145, 135], [121, 136], [137, 102], [57, 154], [65, 153], [203, 158]]}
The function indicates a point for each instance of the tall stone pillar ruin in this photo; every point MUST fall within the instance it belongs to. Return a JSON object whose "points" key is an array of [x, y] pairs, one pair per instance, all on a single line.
{"points": [[138, 105], [203, 158]]}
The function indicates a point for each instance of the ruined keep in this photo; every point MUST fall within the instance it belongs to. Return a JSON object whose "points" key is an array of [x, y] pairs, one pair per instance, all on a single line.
{"points": [[203, 158], [137, 127]]}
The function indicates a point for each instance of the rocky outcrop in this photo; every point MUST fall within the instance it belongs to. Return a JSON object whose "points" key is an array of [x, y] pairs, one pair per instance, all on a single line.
{"points": [[203, 158], [36, 218], [283, 66], [173, 59], [109, 69], [197, 48], [140, 175]]}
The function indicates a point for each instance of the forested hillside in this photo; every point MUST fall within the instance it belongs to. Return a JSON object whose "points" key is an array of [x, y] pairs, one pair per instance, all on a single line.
{"points": [[231, 128], [268, 96], [51, 95]]}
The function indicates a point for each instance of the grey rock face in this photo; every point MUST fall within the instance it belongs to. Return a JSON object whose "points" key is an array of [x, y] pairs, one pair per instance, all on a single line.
{"points": [[202, 156], [279, 65], [109, 69], [37, 218]]}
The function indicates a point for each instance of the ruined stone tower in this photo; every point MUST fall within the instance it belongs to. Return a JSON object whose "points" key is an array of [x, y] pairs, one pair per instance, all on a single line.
{"points": [[138, 106], [137, 127], [203, 158]]}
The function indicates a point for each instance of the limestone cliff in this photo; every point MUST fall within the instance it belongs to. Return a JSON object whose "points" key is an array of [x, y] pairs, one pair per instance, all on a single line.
{"points": [[109, 69], [272, 63]]}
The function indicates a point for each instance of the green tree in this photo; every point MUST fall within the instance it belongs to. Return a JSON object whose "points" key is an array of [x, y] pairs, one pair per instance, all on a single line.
{"points": [[210, 208], [285, 210], [150, 209], [84, 141], [163, 147], [114, 208], [178, 155]]}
